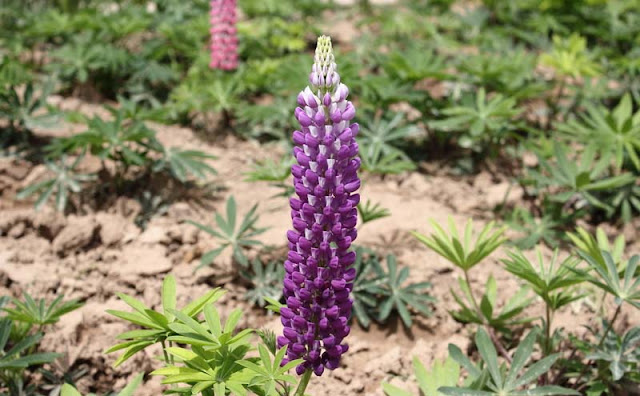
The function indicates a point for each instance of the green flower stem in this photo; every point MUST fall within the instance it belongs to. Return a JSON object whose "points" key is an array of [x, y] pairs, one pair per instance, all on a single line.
{"points": [[494, 337], [304, 381]]}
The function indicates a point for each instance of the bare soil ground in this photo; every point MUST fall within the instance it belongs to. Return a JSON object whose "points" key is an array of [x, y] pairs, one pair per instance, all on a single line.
{"points": [[96, 254]]}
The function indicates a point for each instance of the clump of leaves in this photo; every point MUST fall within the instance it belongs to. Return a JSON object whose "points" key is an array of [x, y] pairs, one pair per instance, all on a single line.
{"points": [[232, 236], [155, 325], [210, 355], [377, 293], [549, 228], [21, 331], [515, 380], [400, 298], [27, 109], [37, 313], [614, 134], [570, 58], [366, 286], [481, 124], [579, 182], [381, 141]]}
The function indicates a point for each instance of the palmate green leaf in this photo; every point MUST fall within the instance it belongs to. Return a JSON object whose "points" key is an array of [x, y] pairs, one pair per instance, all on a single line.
{"points": [[553, 282], [63, 181], [268, 374], [233, 236], [462, 252], [25, 110], [184, 163], [570, 57], [270, 170], [623, 287], [382, 136], [266, 281], [593, 246], [481, 122], [399, 297]]}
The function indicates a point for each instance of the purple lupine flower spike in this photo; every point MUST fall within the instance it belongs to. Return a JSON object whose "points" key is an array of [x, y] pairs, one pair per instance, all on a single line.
{"points": [[319, 276], [224, 40]]}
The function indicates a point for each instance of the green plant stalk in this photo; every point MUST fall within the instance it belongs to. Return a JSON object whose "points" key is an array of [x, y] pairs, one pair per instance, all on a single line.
{"points": [[610, 326], [164, 352], [496, 341], [304, 381], [548, 345]]}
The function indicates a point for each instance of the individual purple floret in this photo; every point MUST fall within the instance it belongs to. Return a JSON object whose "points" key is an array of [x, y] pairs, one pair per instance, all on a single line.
{"points": [[319, 277]]}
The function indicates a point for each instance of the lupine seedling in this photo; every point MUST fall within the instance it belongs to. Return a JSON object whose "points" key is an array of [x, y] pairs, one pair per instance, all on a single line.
{"points": [[63, 181], [594, 246], [235, 237], [399, 298], [384, 136], [23, 110], [183, 163], [37, 313], [517, 379], [553, 283], [14, 359], [486, 121], [613, 133], [155, 325], [265, 281], [274, 172]]}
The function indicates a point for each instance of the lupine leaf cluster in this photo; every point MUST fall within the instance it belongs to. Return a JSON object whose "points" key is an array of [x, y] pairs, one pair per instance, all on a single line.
{"points": [[201, 351]]}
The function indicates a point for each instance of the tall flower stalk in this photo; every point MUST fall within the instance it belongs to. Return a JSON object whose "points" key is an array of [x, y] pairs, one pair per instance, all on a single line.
{"points": [[319, 274], [224, 38]]}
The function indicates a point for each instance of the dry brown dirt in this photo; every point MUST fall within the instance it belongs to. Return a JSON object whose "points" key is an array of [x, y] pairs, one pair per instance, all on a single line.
{"points": [[93, 255]]}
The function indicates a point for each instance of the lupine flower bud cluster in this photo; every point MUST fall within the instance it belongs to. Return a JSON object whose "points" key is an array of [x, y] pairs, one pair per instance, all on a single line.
{"points": [[224, 39], [319, 276]]}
